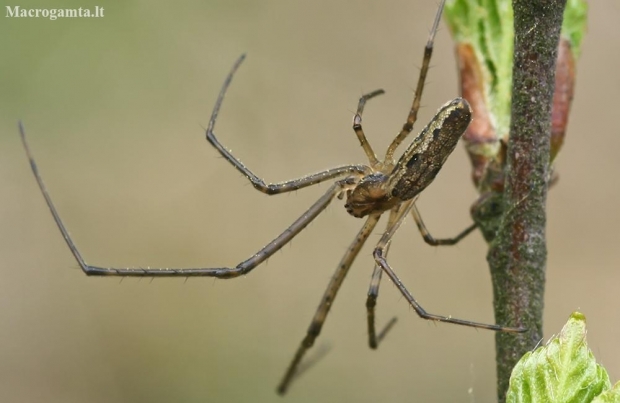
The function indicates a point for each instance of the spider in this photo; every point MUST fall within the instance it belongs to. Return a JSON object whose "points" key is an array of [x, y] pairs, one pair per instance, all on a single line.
{"points": [[387, 185]]}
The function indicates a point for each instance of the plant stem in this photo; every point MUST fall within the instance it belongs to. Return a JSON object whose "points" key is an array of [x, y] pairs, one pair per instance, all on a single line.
{"points": [[517, 255]]}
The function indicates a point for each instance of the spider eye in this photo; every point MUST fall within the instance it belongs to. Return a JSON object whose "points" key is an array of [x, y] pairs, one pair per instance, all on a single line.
{"points": [[413, 160]]}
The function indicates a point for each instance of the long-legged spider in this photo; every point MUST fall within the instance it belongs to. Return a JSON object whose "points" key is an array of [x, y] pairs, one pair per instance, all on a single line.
{"points": [[371, 190]]}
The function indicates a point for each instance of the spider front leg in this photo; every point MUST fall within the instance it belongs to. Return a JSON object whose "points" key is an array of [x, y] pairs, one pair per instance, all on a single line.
{"points": [[379, 255], [223, 272], [258, 183], [429, 239], [327, 300]]}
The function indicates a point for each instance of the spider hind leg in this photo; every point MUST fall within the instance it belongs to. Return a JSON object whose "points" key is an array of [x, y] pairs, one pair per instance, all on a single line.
{"points": [[327, 300]]}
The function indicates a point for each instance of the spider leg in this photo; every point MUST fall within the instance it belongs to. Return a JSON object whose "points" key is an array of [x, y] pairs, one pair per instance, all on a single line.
{"points": [[225, 272], [373, 293], [259, 184], [413, 112], [357, 126], [327, 300], [379, 255], [429, 239]]}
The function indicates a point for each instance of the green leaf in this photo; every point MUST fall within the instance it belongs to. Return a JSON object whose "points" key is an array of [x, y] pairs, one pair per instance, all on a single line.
{"points": [[574, 24], [609, 396], [564, 370]]}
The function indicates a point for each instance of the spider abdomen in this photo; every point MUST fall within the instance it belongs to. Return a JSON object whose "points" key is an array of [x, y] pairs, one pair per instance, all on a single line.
{"points": [[425, 156]]}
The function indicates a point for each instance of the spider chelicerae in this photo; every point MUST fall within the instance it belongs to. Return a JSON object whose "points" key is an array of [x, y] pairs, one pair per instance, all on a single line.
{"points": [[387, 185]]}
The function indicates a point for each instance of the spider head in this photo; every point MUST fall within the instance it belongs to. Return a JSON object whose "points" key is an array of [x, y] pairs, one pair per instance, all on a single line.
{"points": [[370, 196]]}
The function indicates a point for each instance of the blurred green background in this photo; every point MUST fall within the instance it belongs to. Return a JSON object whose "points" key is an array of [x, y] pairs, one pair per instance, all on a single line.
{"points": [[115, 110]]}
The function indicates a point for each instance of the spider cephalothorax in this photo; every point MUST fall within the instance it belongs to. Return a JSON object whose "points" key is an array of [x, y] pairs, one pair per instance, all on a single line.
{"points": [[370, 196]]}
